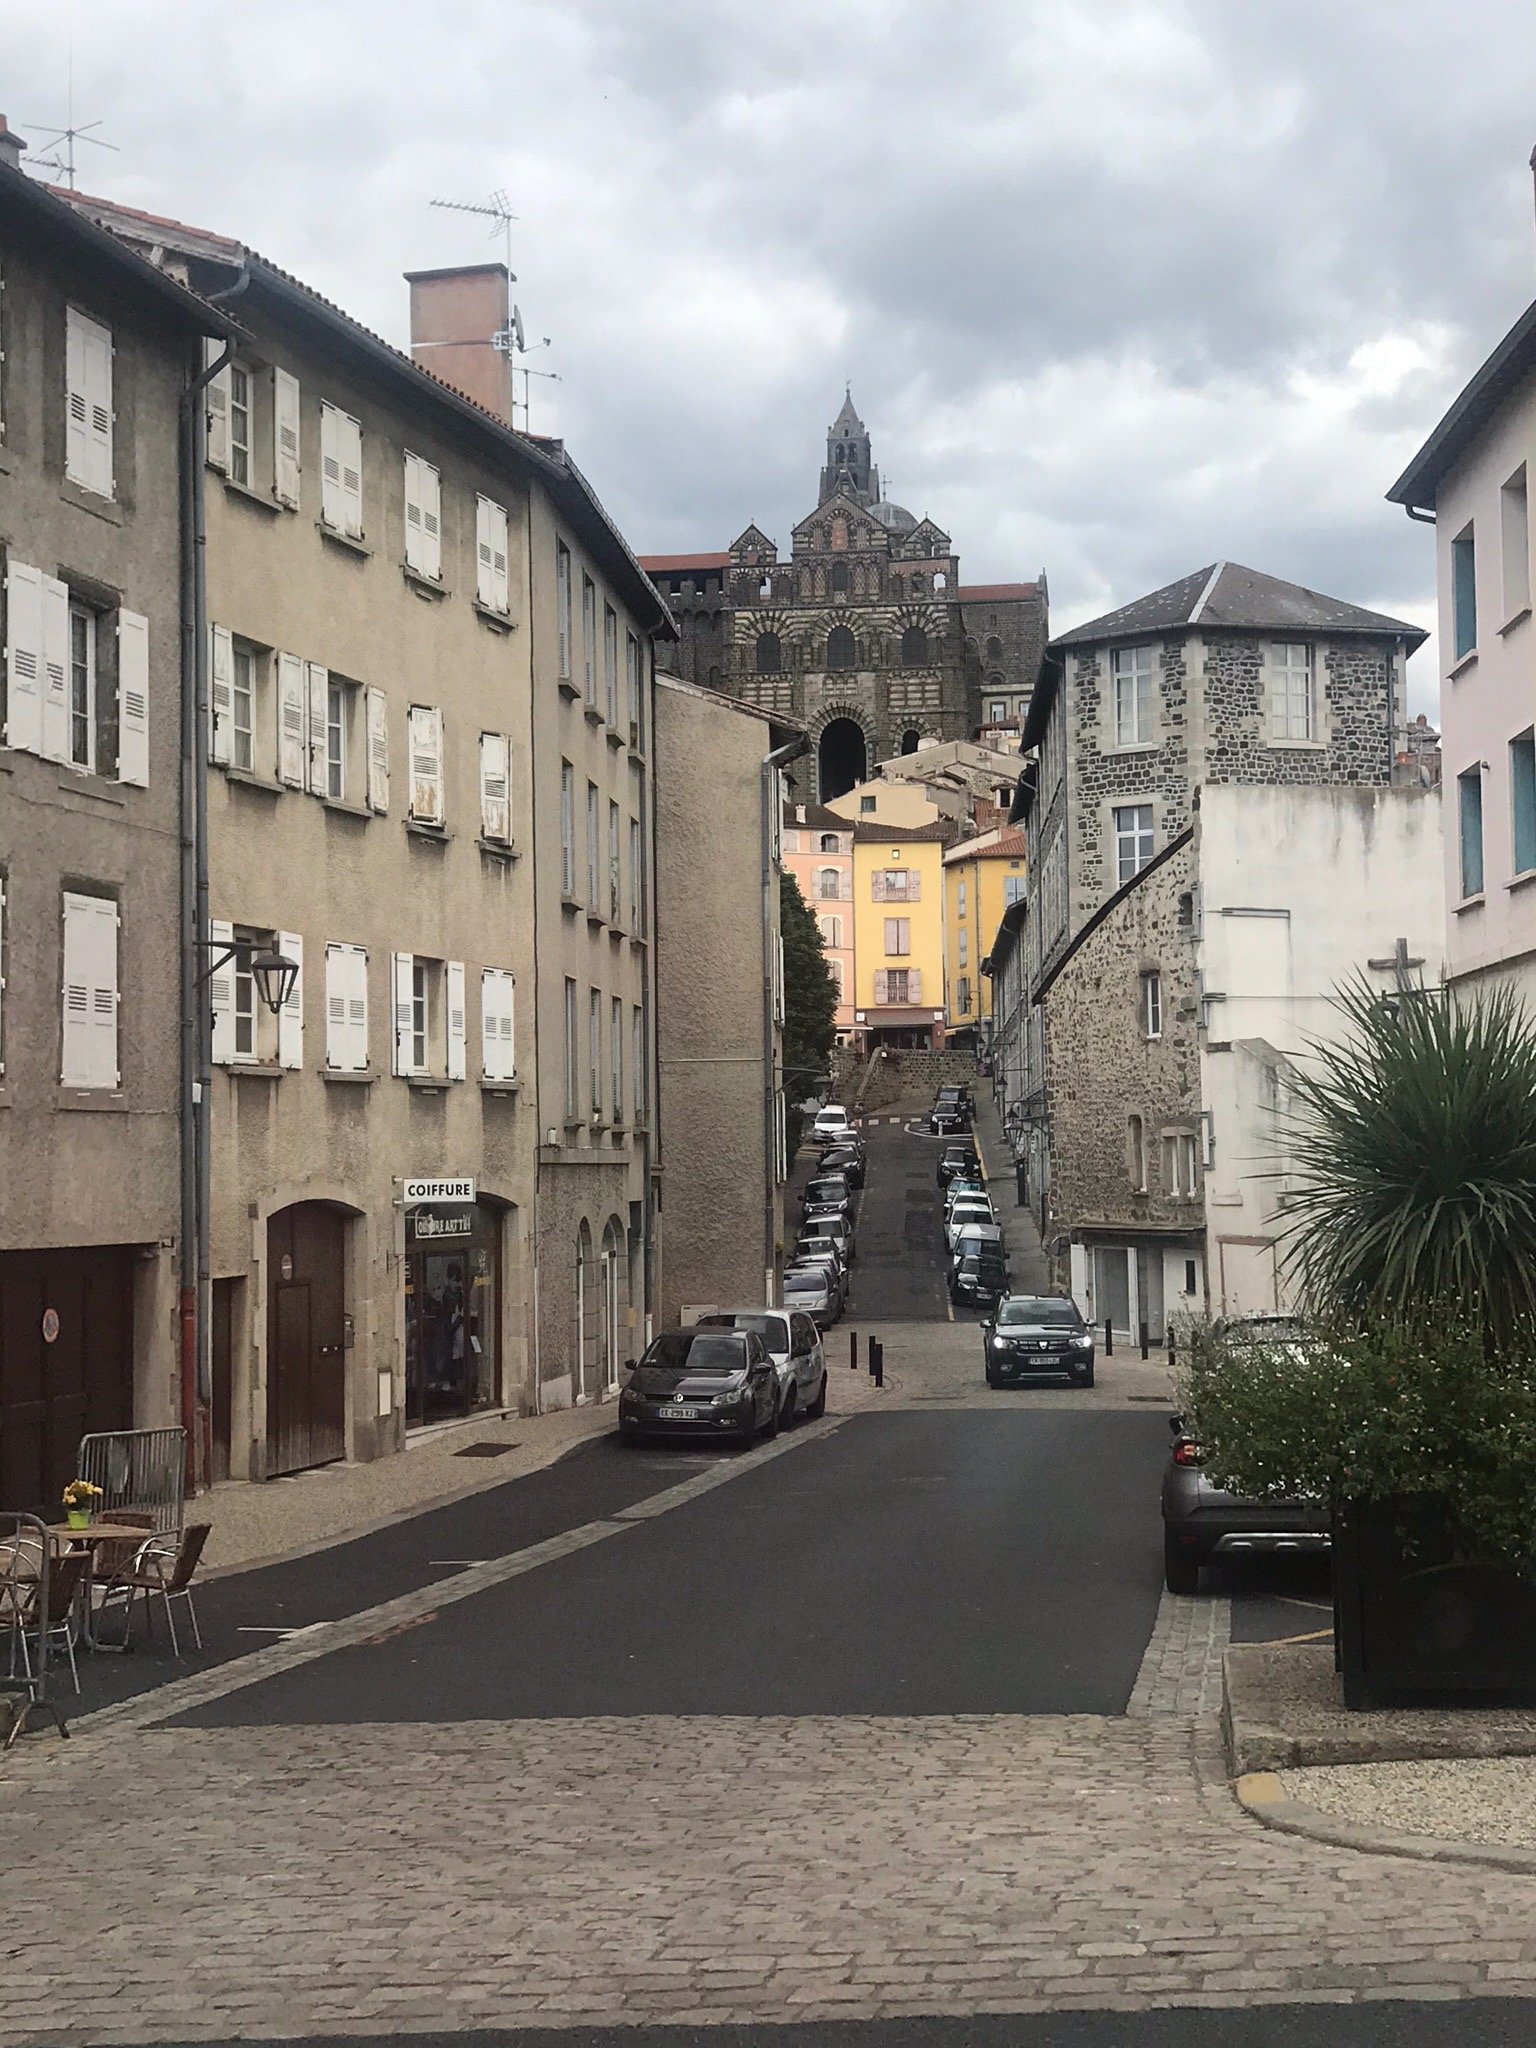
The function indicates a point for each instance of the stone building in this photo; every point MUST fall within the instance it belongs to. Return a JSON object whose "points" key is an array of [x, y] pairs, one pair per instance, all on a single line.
{"points": [[97, 351], [865, 635]]}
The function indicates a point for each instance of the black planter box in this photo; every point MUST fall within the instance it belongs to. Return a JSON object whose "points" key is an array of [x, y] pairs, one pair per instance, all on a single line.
{"points": [[1417, 1621]]}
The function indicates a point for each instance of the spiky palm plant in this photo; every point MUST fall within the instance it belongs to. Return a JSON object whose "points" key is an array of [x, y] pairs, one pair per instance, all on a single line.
{"points": [[1413, 1149]]}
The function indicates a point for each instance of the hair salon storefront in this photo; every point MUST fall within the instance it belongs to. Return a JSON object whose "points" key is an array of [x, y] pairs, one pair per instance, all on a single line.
{"points": [[453, 1284]]}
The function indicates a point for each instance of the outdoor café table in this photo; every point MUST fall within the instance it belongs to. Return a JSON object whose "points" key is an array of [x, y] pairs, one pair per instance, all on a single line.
{"points": [[68, 1538]]}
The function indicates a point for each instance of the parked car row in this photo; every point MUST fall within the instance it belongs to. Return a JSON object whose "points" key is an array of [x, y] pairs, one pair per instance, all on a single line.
{"points": [[973, 1240], [953, 1110], [816, 1274]]}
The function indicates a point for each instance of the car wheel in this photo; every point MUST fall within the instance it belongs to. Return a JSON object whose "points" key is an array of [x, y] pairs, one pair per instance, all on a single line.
{"points": [[817, 1408], [991, 1375], [1181, 1568], [788, 1413]]}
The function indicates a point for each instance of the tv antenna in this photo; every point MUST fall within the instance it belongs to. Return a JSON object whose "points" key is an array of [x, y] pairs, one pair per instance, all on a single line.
{"points": [[64, 139], [509, 340]]}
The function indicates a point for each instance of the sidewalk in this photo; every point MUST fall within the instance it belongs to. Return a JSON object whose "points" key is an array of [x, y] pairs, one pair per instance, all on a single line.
{"points": [[256, 1523], [1030, 1268]]}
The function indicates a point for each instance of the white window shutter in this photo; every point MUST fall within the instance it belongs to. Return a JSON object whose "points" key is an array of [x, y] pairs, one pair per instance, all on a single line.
{"points": [[216, 406], [352, 475], [221, 693], [357, 1010], [431, 520], [346, 1009], [319, 688], [501, 588], [77, 438], [24, 657], [881, 984], [491, 554], [914, 984], [401, 1011], [497, 1048], [285, 438], [495, 790], [290, 1018], [292, 720], [88, 380], [378, 750], [426, 763], [221, 992], [133, 698], [413, 548], [55, 669], [456, 1021], [89, 1050], [332, 501]]}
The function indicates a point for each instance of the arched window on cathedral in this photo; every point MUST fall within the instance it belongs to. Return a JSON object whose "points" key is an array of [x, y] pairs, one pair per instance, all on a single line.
{"points": [[914, 648], [765, 588], [839, 532], [940, 581], [770, 654], [919, 585], [839, 579], [911, 740], [994, 649], [841, 650]]}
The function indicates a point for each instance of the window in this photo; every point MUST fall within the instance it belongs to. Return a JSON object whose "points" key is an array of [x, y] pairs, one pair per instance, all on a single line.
{"points": [[896, 885], [897, 983], [1514, 521], [636, 677], [82, 688], [423, 518], [611, 663], [1186, 910], [567, 830], [1463, 594], [963, 994], [430, 1018], [770, 654], [1292, 697], [572, 1054], [1135, 1154], [1191, 1276], [1131, 668], [1522, 800], [839, 584], [616, 1059], [1152, 1004], [898, 937], [594, 848], [595, 1049], [842, 650], [89, 404], [1469, 796], [563, 606], [89, 993], [341, 472], [424, 731], [828, 885], [994, 649], [589, 642], [1180, 1165], [614, 894], [914, 648], [492, 589], [239, 424], [832, 931], [829, 842], [421, 1013], [866, 805], [337, 721], [963, 953], [997, 711], [1015, 889], [960, 897], [835, 969], [346, 1009], [1133, 839], [243, 687], [636, 878], [498, 1045], [638, 1066]]}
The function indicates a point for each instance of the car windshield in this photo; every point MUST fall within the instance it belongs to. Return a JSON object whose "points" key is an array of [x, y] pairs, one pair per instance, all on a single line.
{"points": [[703, 1351], [773, 1329], [805, 1283], [1035, 1312]]}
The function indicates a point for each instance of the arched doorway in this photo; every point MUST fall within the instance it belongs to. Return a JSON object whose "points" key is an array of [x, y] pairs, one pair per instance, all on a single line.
{"points": [[588, 1316], [842, 759], [614, 1301], [306, 1337]]}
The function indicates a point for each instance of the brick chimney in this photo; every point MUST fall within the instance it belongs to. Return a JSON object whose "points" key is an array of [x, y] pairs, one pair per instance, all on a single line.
{"points": [[454, 314], [11, 145]]}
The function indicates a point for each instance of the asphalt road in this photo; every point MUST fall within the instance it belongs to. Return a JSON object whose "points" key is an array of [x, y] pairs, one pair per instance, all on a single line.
{"points": [[898, 1273], [1491, 2023]]}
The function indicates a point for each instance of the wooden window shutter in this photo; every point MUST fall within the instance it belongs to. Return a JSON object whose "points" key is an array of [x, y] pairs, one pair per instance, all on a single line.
{"points": [[89, 1050], [221, 692], [24, 657], [221, 992], [431, 520], [882, 982], [319, 684], [285, 438], [914, 984], [497, 991], [378, 751], [216, 406], [400, 1009], [55, 669], [495, 786], [425, 729], [133, 698], [346, 1009], [332, 502], [88, 379], [352, 475], [290, 1018], [292, 720], [457, 1020], [413, 544]]}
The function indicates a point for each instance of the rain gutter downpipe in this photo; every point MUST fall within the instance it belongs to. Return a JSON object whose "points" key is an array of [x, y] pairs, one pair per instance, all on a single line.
{"points": [[196, 1015], [772, 764]]}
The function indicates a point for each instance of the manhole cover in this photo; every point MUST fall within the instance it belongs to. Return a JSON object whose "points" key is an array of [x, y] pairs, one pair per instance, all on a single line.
{"points": [[485, 1450]]}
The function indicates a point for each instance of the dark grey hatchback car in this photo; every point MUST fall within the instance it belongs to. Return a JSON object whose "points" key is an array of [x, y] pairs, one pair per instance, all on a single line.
{"points": [[718, 1383]]}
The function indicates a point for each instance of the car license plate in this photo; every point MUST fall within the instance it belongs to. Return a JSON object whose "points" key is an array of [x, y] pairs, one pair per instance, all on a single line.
{"points": [[679, 1414]]}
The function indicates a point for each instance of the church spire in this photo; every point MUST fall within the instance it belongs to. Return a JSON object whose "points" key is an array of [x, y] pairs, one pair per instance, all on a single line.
{"points": [[848, 466]]}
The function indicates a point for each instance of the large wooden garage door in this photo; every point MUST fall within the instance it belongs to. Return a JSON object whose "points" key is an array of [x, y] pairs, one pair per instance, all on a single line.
{"points": [[54, 1392], [306, 1337]]}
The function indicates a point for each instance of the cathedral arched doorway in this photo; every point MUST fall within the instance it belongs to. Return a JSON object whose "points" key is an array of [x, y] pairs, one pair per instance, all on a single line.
{"points": [[842, 758], [911, 741]]}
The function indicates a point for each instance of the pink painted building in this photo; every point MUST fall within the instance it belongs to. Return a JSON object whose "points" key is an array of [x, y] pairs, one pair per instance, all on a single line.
{"points": [[818, 852]]}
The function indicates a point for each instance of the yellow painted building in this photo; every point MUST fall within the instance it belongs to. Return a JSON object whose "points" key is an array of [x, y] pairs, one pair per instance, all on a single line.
{"points": [[982, 876], [898, 933]]}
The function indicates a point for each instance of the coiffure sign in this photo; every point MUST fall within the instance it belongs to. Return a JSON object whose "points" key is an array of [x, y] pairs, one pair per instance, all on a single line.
{"points": [[417, 1191]]}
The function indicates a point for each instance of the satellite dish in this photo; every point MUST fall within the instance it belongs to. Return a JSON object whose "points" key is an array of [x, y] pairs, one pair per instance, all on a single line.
{"points": [[517, 331]]}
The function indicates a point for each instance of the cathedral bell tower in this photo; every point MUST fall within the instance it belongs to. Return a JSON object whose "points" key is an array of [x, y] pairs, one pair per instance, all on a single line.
{"points": [[848, 460]]}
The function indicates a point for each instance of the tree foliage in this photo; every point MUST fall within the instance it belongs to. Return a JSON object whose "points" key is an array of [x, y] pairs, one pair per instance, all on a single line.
{"points": [[810, 1002], [1414, 1190]]}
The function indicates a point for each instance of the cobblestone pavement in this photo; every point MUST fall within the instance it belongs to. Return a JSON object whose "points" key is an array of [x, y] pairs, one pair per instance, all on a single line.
{"points": [[380, 1878]]}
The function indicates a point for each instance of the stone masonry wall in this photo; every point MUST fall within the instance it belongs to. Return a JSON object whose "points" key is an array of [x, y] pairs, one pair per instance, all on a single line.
{"points": [[1100, 775], [1355, 701], [1102, 1068]]}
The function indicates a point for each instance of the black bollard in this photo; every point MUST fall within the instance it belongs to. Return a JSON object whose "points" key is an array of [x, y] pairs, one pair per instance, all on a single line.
{"points": [[1172, 1361], [877, 1361], [1109, 1338], [1144, 1340], [853, 1350]]}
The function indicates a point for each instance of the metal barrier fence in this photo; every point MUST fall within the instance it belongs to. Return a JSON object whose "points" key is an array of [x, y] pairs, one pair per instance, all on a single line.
{"points": [[139, 1470], [26, 1602]]}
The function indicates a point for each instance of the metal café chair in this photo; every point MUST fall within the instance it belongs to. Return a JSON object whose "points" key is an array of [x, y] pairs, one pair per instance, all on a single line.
{"points": [[32, 1597], [166, 1569]]}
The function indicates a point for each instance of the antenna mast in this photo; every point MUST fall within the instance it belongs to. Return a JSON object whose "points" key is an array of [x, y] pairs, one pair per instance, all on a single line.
{"points": [[509, 340]]}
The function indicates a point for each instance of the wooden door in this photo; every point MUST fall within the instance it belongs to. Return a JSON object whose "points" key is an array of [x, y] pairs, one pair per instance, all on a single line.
{"points": [[306, 1332], [54, 1392]]}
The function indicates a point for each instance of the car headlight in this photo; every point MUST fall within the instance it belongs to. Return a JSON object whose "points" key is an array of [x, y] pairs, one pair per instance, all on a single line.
{"points": [[1084, 1342], [999, 1343]]}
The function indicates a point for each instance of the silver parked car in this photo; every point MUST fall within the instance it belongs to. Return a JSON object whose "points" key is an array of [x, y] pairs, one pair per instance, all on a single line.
{"points": [[794, 1345], [816, 1281]]}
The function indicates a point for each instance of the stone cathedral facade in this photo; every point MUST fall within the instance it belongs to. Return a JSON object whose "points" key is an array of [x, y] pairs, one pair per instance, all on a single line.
{"points": [[865, 634]]}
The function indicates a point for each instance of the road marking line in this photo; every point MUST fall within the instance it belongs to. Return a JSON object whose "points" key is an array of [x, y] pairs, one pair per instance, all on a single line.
{"points": [[1317, 1635]]}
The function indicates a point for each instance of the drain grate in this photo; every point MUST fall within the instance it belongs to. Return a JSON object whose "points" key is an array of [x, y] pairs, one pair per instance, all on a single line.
{"points": [[485, 1450]]}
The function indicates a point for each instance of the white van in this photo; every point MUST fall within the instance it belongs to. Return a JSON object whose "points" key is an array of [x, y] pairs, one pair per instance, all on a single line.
{"points": [[831, 1122]]}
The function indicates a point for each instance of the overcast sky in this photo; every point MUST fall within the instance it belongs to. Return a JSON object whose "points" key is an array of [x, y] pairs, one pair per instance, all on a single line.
{"points": [[1122, 288]]}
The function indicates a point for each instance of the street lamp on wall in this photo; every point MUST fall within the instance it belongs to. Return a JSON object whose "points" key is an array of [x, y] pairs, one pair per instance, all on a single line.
{"points": [[273, 973]]}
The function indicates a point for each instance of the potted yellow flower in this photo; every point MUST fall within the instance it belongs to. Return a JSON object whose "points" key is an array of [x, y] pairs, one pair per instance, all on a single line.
{"points": [[80, 1498]]}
